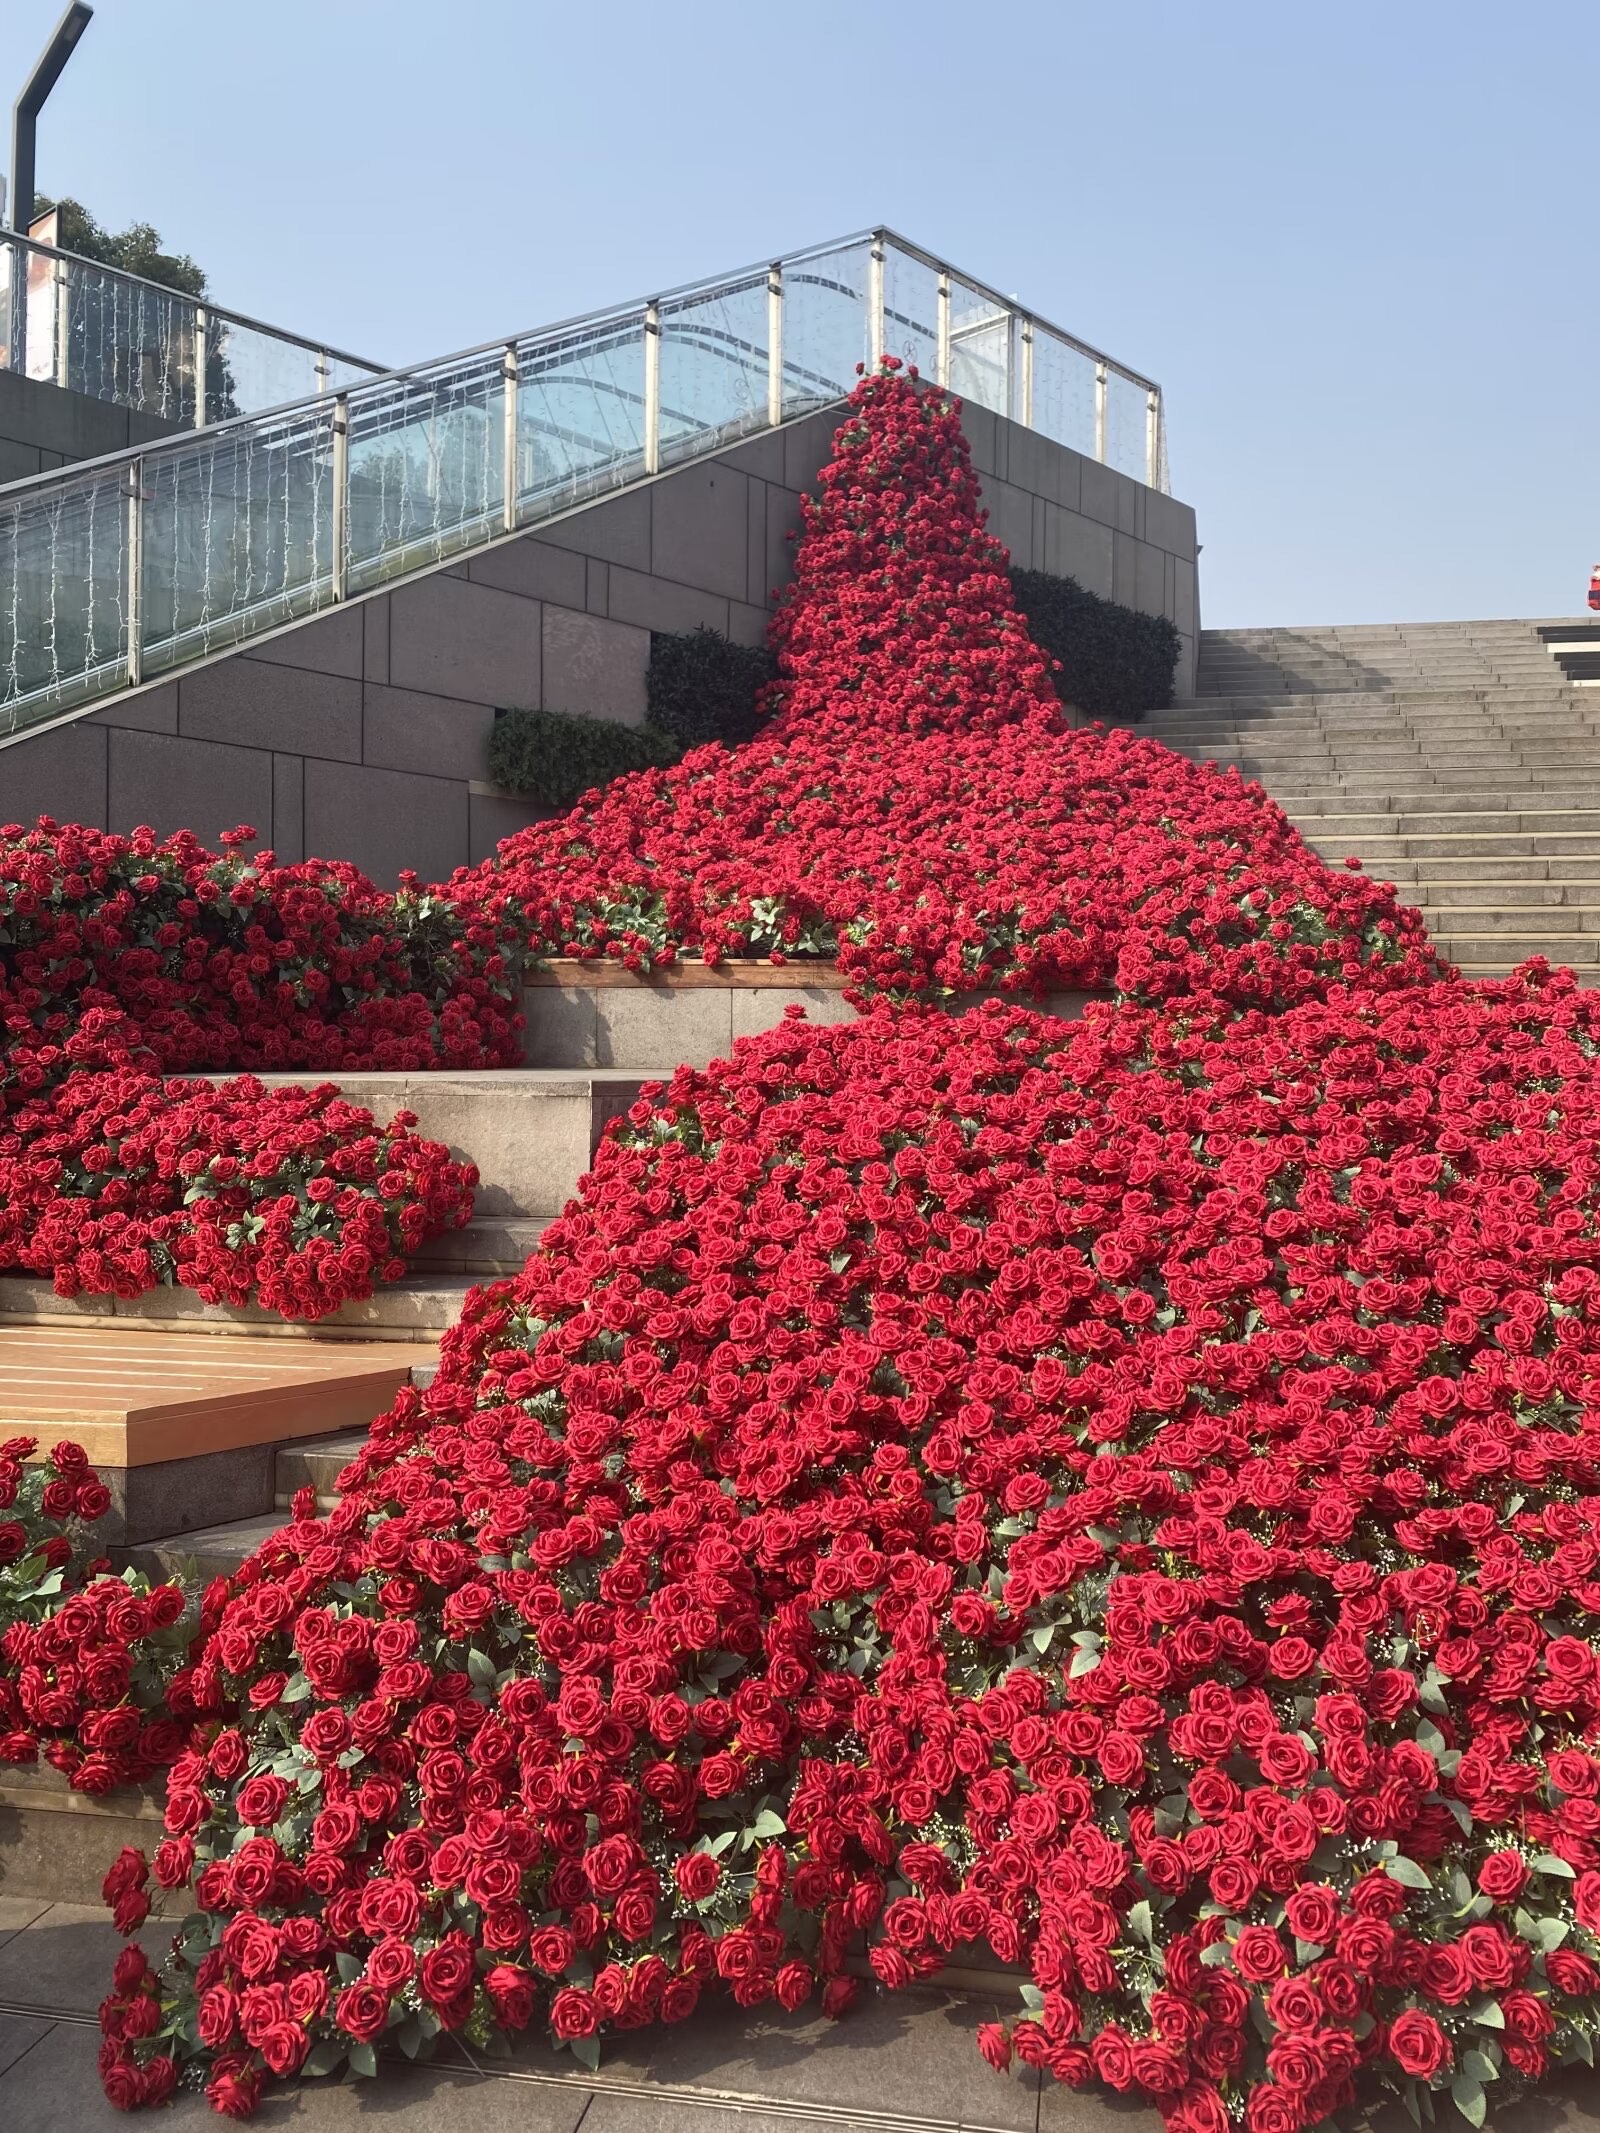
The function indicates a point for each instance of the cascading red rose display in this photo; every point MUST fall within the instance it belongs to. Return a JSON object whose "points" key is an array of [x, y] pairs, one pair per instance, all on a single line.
{"points": [[1114, 1499], [917, 806], [1117, 1498]]}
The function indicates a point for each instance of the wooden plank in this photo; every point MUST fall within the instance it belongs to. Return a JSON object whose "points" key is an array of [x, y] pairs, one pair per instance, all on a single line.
{"points": [[135, 1398]]}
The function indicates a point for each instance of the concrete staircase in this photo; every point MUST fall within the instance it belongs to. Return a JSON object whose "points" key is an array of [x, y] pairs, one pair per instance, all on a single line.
{"points": [[1454, 759]]}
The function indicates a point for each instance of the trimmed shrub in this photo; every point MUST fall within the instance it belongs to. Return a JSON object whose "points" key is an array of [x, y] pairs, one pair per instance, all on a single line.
{"points": [[555, 759], [701, 686], [1114, 663]]}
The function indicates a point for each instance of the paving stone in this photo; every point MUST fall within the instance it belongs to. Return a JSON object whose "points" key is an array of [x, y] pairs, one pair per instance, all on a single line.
{"points": [[19, 2034], [61, 1961], [19, 1911]]}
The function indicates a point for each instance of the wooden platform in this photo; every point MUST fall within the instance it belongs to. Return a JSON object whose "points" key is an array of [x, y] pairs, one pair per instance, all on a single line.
{"points": [[135, 1398]]}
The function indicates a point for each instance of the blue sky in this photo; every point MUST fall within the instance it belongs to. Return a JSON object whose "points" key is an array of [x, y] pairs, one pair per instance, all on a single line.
{"points": [[1356, 244]]}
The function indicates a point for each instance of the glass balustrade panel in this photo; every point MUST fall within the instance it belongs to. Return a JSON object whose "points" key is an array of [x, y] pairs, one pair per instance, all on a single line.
{"points": [[580, 415], [63, 599], [1126, 418], [714, 368], [911, 311], [1063, 392], [980, 347], [825, 329], [427, 469], [238, 536]]}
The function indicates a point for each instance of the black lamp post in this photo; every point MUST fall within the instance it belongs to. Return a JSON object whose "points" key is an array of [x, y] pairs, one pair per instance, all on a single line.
{"points": [[25, 112]]}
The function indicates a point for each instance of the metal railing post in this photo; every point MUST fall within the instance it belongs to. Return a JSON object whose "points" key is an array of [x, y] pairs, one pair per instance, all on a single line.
{"points": [[1027, 373], [652, 388], [63, 324], [341, 492], [134, 493], [775, 343], [200, 367], [942, 360], [1100, 412], [510, 483], [875, 302], [323, 371], [1152, 438]]}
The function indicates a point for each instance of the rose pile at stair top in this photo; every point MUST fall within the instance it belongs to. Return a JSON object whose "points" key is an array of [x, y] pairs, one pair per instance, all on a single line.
{"points": [[1121, 1495], [91, 1665], [116, 1182], [161, 954], [917, 806]]}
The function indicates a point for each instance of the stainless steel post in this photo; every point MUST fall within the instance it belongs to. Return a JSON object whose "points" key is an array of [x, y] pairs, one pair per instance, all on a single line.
{"points": [[1027, 373], [134, 492], [341, 492], [775, 343], [1100, 412], [942, 361], [652, 388], [200, 367], [875, 302], [511, 483], [1152, 437]]}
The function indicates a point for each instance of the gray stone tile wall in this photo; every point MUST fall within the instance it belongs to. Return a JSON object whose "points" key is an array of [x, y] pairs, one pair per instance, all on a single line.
{"points": [[363, 735]]}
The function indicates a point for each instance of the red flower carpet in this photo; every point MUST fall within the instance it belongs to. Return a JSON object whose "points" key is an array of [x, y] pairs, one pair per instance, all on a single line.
{"points": [[1115, 1498]]}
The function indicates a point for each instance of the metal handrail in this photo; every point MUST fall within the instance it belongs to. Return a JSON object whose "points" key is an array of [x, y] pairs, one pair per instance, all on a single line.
{"points": [[121, 569], [17, 240]]}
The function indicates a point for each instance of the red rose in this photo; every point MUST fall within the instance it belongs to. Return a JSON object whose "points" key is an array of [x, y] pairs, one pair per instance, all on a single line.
{"points": [[1418, 2045], [511, 1992], [362, 2010], [1258, 1955], [697, 1875], [573, 2014]]}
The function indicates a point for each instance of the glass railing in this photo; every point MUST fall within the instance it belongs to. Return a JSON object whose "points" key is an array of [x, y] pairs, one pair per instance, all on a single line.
{"points": [[92, 329], [124, 569]]}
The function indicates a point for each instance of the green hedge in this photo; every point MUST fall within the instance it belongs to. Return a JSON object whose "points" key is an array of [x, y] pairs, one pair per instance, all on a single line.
{"points": [[550, 757], [701, 687], [1114, 663]]}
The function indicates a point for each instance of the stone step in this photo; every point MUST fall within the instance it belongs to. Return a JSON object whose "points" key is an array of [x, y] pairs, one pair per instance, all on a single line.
{"points": [[1439, 821], [488, 1244], [1392, 807], [1569, 950], [418, 1308], [532, 1131], [1560, 921], [209, 1552], [315, 1465], [1373, 852], [1506, 895]]}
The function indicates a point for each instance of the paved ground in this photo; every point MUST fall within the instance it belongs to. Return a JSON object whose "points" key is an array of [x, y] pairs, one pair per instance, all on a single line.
{"points": [[901, 2063]]}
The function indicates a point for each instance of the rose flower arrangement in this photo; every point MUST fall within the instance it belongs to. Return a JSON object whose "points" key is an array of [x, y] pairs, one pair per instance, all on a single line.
{"points": [[116, 1182], [1120, 1495], [916, 805], [90, 1665]]}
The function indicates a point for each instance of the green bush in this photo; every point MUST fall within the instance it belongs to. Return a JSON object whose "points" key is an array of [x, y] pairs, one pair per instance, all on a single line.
{"points": [[550, 757], [702, 687], [1114, 663]]}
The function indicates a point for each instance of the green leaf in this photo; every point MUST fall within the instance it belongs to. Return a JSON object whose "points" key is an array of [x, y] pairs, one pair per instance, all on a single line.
{"points": [[349, 1968], [1032, 1998], [1552, 1932], [1487, 2015], [324, 2057], [1478, 2066], [480, 1669], [1407, 1873], [769, 1823], [1429, 1737], [364, 2061], [1141, 1922], [1548, 1863], [1307, 1951], [1467, 2095], [1040, 1638], [586, 2050], [1083, 1662]]}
